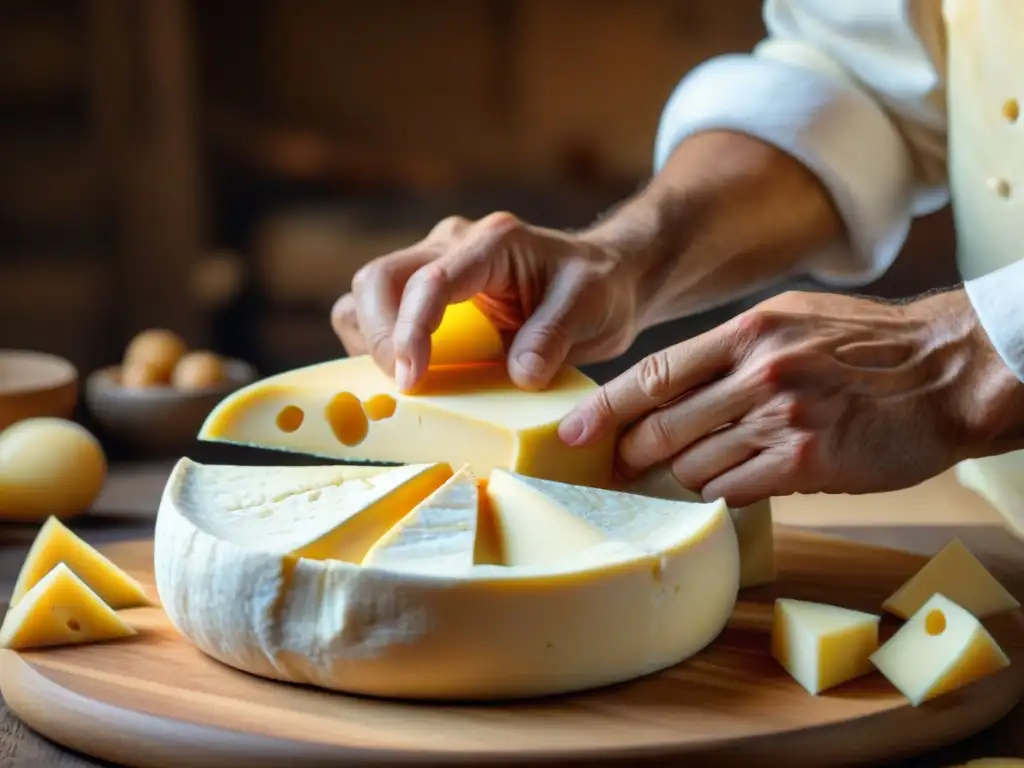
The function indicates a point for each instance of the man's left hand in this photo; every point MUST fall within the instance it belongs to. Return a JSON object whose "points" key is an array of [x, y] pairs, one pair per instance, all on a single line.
{"points": [[805, 393]]}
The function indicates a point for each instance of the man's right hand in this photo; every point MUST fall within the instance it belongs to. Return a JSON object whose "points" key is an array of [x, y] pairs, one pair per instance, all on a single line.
{"points": [[557, 298]]}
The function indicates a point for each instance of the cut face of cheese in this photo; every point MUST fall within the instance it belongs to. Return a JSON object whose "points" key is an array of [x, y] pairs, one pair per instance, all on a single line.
{"points": [[438, 535], [823, 646], [753, 524], [312, 512], [465, 336], [55, 544], [957, 574], [461, 415], [606, 614], [60, 610], [999, 480], [941, 648]]}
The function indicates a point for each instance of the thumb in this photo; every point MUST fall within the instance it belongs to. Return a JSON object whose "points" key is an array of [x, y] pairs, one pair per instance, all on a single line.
{"points": [[541, 346]]}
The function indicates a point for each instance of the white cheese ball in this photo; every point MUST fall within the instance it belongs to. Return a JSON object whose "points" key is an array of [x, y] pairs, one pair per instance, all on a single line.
{"points": [[48, 466]]}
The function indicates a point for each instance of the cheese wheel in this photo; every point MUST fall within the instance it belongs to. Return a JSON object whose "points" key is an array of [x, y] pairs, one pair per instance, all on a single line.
{"points": [[631, 592]]}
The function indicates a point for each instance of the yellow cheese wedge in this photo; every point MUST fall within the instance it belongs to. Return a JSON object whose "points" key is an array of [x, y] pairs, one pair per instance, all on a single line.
{"points": [[957, 574], [753, 523], [607, 614], [821, 645], [541, 522], [465, 336], [941, 648], [55, 544], [349, 410], [60, 609], [438, 535], [311, 512]]}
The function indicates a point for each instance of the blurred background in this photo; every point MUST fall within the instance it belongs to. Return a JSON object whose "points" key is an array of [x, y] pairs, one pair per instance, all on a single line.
{"points": [[222, 167]]}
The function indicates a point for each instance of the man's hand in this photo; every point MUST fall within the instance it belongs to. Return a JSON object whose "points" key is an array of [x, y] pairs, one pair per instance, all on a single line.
{"points": [[556, 297], [810, 393]]}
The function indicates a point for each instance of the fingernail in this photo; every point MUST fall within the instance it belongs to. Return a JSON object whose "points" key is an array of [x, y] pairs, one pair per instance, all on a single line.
{"points": [[530, 362], [572, 429], [403, 374]]}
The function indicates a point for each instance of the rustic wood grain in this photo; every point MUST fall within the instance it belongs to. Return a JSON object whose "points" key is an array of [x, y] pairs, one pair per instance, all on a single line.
{"points": [[154, 700]]}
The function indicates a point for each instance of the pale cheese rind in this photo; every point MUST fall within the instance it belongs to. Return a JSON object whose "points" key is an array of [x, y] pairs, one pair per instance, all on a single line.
{"points": [[60, 609], [941, 648], [956, 573], [460, 415], [609, 614]]}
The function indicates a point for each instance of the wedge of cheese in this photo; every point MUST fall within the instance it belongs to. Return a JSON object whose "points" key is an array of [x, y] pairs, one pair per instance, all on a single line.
{"points": [[753, 523], [317, 513], [60, 609], [465, 336], [960, 576], [349, 410], [941, 648], [999, 480], [822, 645], [55, 544], [606, 614], [438, 535]]}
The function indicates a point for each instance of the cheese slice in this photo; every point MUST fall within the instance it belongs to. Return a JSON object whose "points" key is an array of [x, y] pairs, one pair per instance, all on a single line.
{"points": [[999, 480], [60, 609], [957, 574], [472, 415], [941, 648], [822, 645], [607, 614], [754, 529], [465, 336], [56, 544], [318, 512], [438, 535]]}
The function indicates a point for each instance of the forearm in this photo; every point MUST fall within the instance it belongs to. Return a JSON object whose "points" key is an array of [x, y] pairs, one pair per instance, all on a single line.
{"points": [[726, 214]]}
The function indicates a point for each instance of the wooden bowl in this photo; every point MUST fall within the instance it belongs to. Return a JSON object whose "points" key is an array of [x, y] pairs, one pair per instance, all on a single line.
{"points": [[157, 420], [35, 384]]}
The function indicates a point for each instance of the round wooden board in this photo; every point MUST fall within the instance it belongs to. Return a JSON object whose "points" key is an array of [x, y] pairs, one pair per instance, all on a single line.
{"points": [[156, 701]]}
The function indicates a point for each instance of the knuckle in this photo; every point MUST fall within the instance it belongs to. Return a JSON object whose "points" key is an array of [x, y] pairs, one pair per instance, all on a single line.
{"points": [[790, 409], [500, 224], [449, 226], [431, 278], [654, 376], [370, 273], [660, 437]]}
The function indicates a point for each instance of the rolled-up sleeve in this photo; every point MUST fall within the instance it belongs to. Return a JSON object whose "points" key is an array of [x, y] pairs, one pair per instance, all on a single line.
{"points": [[850, 89]]}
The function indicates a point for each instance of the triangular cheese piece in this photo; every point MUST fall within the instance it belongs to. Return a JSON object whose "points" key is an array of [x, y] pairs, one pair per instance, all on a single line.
{"points": [[282, 509], [60, 609], [957, 574], [465, 337], [823, 645], [439, 535], [55, 544], [542, 521], [999, 480], [350, 410]]}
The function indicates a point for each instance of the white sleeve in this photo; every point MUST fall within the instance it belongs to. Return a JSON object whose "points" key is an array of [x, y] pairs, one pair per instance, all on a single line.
{"points": [[998, 299], [849, 88]]}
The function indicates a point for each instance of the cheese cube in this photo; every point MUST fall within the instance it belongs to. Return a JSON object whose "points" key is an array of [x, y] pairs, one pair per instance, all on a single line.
{"points": [[821, 645], [460, 415], [941, 648], [55, 544], [318, 513], [957, 574], [60, 609], [439, 535]]}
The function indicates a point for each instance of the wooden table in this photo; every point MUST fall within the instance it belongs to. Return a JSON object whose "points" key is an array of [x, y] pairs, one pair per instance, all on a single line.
{"points": [[921, 520]]}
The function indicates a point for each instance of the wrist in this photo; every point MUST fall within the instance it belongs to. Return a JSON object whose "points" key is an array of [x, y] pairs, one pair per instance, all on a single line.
{"points": [[986, 406]]}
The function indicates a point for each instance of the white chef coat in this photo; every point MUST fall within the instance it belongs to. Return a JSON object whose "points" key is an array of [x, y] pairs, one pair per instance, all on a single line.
{"points": [[854, 89]]}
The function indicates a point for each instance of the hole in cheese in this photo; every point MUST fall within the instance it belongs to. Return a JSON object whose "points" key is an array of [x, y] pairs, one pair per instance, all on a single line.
{"points": [[345, 415], [1011, 110], [290, 418], [380, 407], [74, 626], [935, 623], [1001, 187]]}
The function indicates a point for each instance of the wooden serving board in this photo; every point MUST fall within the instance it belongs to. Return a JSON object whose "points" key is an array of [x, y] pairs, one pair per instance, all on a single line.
{"points": [[156, 701]]}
